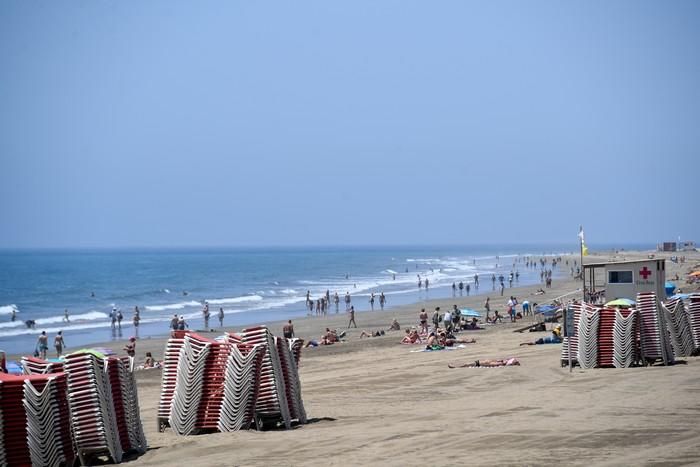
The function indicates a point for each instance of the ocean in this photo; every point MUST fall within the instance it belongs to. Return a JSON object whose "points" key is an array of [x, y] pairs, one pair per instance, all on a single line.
{"points": [[252, 285]]}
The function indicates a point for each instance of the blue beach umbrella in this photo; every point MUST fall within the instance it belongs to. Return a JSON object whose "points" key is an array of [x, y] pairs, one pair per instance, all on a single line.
{"points": [[670, 287], [469, 313]]}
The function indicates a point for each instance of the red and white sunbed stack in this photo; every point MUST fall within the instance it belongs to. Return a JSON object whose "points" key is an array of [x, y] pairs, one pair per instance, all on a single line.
{"points": [[653, 334], [240, 384], [223, 385], [694, 317], [191, 373], [272, 399], [105, 416], [678, 326], [37, 366], [606, 337], [588, 337], [35, 421], [625, 336], [171, 358]]}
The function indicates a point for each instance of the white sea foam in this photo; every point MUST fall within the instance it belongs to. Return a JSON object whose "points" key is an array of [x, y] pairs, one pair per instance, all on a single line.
{"points": [[288, 291], [7, 309], [166, 290], [172, 306], [389, 271], [230, 301]]}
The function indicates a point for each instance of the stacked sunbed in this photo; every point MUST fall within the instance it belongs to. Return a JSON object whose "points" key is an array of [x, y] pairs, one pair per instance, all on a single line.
{"points": [[626, 331], [104, 407], [606, 337], [655, 343], [37, 366], [35, 420], [694, 317], [169, 376], [240, 385], [588, 337], [52, 418], [226, 384], [679, 330]]}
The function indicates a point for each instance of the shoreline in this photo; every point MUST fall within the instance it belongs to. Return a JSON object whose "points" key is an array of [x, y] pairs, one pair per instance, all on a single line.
{"points": [[309, 326]]}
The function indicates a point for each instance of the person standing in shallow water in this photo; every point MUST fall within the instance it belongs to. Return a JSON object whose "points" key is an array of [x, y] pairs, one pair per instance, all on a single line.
{"points": [[382, 300], [221, 317]]}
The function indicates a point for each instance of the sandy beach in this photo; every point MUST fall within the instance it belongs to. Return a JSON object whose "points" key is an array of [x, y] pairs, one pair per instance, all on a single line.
{"points": [[374, 401]]}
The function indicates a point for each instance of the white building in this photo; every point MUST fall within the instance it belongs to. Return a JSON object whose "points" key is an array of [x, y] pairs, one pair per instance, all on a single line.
{"points": [[624, 279]]}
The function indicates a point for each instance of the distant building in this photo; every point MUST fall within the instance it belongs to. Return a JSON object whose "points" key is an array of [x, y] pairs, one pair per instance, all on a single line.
{"points": [[687, 246], [667, 246]]}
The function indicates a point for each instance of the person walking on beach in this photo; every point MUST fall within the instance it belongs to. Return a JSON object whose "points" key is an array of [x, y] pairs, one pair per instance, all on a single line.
{"points": [[502, 287], [371, 301], [59, 343], [347, 301], [420, 282], [113, 317], [493, 281], [427, 283], [221, 317], [42, 345], [137, 317], [454, 289], [66, 318], [382, 300], [461, 287], [120, 317], [468, 288], [487, 307], [352, 317], [336, 300], [288, 330], [476, 281]]}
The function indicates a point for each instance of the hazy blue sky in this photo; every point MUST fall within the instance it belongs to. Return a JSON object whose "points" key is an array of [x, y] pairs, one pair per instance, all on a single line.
{"points": [[236, 123]]}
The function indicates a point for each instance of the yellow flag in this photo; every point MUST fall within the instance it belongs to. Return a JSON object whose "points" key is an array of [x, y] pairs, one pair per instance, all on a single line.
{"points": [[584, 249]]}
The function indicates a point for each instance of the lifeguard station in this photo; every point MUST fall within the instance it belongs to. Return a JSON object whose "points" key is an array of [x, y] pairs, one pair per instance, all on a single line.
{"points": [[623, 279]]}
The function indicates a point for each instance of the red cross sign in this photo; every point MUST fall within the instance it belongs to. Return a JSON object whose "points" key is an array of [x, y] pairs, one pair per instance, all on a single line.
{"points": [[645, 273]]}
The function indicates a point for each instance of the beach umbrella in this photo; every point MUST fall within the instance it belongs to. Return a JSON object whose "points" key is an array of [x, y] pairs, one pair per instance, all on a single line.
{"points": [[670, 287], [469, 313], [621, 302]]}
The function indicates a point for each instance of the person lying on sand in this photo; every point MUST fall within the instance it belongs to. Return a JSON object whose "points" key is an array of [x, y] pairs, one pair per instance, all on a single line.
{"points": [[372, 334], [488, 363], [555, 338], [444, 341]]}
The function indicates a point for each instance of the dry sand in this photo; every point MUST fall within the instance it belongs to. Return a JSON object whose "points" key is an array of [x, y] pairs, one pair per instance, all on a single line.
{"points": [[372, 401]]}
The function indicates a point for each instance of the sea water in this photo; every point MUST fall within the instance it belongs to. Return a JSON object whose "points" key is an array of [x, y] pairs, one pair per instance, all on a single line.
{"points": [[252, 285]]}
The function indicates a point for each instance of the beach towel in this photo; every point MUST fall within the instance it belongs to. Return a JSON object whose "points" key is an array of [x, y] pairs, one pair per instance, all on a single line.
{"points": [[460, 346]]}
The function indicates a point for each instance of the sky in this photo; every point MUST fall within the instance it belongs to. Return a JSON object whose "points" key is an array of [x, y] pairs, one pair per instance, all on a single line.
{"points": [[175, 123]]}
